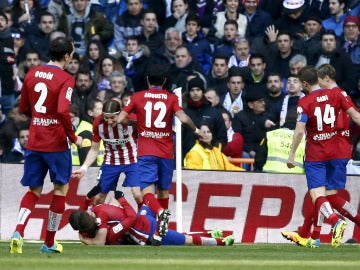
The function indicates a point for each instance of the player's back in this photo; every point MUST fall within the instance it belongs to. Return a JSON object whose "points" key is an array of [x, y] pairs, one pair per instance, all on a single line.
{"points": [[46, 96], [154, 109], [322, 108]]}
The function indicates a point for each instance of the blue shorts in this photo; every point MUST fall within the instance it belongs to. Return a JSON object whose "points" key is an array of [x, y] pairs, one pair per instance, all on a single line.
{"points": [[108, 176], [37, 164], [330, 173], [171, 238], [157, 171]]}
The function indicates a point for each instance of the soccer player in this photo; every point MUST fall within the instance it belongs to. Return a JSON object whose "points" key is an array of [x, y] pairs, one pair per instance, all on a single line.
{"points": [[326, 77], [116, 223], [154, 109], [120, 154], [45, 97], [318, 117]]}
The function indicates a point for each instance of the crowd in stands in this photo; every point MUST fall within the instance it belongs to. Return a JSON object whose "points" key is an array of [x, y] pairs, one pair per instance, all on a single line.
{"points": [[236, 62]]}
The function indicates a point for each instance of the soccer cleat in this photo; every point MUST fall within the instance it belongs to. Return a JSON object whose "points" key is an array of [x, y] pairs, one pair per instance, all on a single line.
{"points": [[156, 240], [295, 237], [337, 232], [163, 222], [55, 248], [312, 243], [229, 240], [16, 243], [217, 233]]}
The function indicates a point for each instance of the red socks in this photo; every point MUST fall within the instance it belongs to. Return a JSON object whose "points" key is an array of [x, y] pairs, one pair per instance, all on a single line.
{"points": [[56, 210], [27, 204]]}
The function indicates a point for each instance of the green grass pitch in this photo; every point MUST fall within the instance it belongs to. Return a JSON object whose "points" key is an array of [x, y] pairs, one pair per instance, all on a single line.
{"points": [[239, 256]]}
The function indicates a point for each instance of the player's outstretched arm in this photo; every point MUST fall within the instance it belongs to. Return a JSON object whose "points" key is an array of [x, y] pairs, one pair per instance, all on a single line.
{"points": [[186, 121], [122, 118], [90, 158]]}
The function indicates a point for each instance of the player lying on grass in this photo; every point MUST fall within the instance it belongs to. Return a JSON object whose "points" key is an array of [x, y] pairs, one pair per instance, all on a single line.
{"points": [[116, 223]]}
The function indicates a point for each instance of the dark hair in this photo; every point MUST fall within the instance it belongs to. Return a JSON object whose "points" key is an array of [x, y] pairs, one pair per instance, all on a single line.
{"points": [[90, 103], [221, 56], [134, 37], [87, 224], [192, 17], [148, 11], [272, 73], [233, 22], [156, 75], [59, 47], [46, 13], [2, 14], [256, 56], [74, 219], [111, 106], [328, 32], [308, 74]]}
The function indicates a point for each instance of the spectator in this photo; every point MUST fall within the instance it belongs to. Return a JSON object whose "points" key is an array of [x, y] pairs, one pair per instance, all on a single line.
{"points": [[118, 83], [206, 154], [335, 22], [56, 7], [285, 51], [297, 62], [274, 97], [200, 111], [318, 8], [182, 68], [234, 146], [106, 66], [241, 55], [85, 131], [84, 24], [288, 114], [136, 60], [39, 40], [7, 60], [225, 45], [293, 18], [73, 66], [266, 45], [19, 42], [207, 10], [233, 101], [231, 13], [256, 73], [218, 76], [95, 51], [32, 59], [84, 89], [179, 12], [150, 36], [128, 24], [213, 98], [26, 15], [329, 54], [313, 30], [252, 124], [17, 153], [257, 19], [350, 42], [165, 54], [273, 7], [194, 40]]}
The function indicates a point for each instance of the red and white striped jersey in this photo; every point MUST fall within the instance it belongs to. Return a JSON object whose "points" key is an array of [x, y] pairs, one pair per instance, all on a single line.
{"points": [[120, 142]]}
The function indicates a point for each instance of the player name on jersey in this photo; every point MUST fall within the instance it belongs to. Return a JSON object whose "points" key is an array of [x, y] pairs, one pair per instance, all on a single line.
{"points": [[44, 75]]}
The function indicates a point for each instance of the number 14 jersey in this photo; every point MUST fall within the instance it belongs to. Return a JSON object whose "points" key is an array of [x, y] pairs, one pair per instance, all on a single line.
{"points": [[320, 111]]}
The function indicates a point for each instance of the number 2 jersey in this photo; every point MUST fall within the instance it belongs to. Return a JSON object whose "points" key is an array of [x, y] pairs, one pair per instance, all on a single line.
{"points": [[154, 109], [45, 97], [320, 111]]}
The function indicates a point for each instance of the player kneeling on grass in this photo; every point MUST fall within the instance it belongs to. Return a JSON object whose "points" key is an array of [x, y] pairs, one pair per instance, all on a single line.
{"points": [[116, 223]]}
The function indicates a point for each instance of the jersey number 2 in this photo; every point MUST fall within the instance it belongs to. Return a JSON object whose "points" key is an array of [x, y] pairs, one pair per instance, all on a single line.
{"points": [[41, 87], [159, 121]]}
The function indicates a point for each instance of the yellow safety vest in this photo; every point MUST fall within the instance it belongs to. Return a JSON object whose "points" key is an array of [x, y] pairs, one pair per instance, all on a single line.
{"points": [[86, 126], [279, 142]]}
